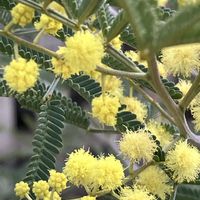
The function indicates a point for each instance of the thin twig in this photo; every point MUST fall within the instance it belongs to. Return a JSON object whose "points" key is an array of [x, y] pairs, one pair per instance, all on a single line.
{"points": [[28, 44], [153, 102], [120, 73]]}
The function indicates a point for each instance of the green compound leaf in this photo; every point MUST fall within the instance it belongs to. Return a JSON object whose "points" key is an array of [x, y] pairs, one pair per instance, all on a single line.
{"points": [[87, 8], [47, 141], [127, 120], [170, 34], [84, 85], [71, 7], [7, 4], [5, 16], [188, 192], [128, 37], [6, 46], [33, 99], [105, 18], [143, 19], [119, 23]]}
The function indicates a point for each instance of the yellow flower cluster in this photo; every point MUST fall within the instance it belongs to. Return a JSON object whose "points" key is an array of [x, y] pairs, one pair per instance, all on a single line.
{"points": [[61, 67], [164, 137], [49, 24], [57, 181], [136, 57], [84, 50], [22, 14], [135, 106], [21, 75], [135, 194], [184, 161], [21, 189], [162, 2], [183, 3], [88, 198], [182, 59], [41, 189], [155, 181], [105, 109], [184, 86], [55, 196], [137, 145], [116, 43], [105, 173], [111, 85]]}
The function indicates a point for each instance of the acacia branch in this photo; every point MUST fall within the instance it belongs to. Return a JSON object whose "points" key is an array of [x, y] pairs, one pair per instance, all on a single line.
{"points": [[152, 101], [119, 73], [28, 44]]}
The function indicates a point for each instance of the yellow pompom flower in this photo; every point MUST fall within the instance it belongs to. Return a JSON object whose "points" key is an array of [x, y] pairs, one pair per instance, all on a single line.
{"points": [[107, 174], [105, 109], [21, 75], [22, 14], [184, 86], [182, 59], [41, 189], [135, 194], [57, 181], [60, 67], [184, 161], [183, 3], [84, 50], [162, 2], [116, 43], [164, 137], [79, 166], [155, 181], [135, 106], [136, 58], [21, 189], [195, 108], [88, 198], [49, 24], [55, 196], [137, 145]]}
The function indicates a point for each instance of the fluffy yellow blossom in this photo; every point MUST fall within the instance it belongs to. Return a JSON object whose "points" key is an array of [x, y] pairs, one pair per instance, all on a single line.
{"points": [[21, 75], [88, 198], [183, 3], [196, 113], [61, 66], [84, 50], [21, 189], [49, 24], [135, 194], [22, 14], [136, 57], [184, 161], [55, 196], [184, 86], [57, 181], [182, 59], [105, 109], [79, 166], [135, 106], [155, 181], [41, 189], [137, 145], [107, 173], [164, 137], [162, 2], [116, 43], [112, 84]]}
